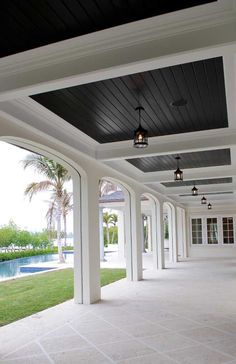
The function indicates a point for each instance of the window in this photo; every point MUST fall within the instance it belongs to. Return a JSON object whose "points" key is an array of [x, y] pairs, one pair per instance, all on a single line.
{"points": [[197, 231], [228, 230], [212, 230]]}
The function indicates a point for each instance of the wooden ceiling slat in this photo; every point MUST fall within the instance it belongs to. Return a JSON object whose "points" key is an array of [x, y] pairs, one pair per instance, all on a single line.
{"points": [[72, 18], [111, 103]]}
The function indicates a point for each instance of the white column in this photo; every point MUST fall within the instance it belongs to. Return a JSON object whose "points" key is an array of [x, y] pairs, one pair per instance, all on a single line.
{"points": [[180, 231], [77, 212], [101, 235], [90, 240], [170, 230], [160, 237], [149, 233], [175, 235], [185, 234], [136, 241], [121, 233], [142, 233]]}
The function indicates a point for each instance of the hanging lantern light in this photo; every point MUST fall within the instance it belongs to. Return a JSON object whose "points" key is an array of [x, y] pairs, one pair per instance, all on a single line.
{"points": [[140, 134], [194, 191], [209, 206], [203, 200], [178, 174]]}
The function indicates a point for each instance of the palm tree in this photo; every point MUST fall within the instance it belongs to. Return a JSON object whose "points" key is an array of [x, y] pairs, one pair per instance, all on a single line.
{"points": [[66, 208], [107, 221], [56, 176], [113, 221]]}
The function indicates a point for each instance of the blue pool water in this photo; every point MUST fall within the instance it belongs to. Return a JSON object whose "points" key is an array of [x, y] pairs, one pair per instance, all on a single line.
{"points": [[11, 268]]}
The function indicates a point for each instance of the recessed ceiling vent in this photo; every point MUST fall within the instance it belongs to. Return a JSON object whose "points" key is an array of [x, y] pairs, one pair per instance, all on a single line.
{"points": [[179, 103]]}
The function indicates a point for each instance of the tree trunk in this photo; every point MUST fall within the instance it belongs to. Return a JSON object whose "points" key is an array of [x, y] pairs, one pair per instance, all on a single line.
{"points": [[59, 244], [113, 235], [65, 230]]}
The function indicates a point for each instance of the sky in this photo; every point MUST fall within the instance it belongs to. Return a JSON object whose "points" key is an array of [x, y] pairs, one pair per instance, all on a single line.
{"points": [[14, 205]]}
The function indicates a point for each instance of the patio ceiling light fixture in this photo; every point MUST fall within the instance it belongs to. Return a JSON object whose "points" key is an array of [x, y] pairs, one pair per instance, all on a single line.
{"points": [[203, 200], [140, 134], [178, 174], [194, 191], [209, 206]]}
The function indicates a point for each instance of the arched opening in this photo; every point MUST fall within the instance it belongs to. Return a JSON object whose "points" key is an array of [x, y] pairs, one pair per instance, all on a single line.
{"points": [[115, 198], [170, 233], [150, 230], [75, 173]]}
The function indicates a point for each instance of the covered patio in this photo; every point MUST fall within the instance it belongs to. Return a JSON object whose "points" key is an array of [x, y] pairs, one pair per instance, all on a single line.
{"points": [[75, 84]]}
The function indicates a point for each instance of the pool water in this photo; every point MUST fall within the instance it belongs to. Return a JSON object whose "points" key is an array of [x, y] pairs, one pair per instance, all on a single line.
{"points": [[11, 268]]}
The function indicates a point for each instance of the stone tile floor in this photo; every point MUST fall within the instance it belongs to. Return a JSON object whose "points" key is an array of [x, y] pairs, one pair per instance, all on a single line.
{"points": [[184, 314]]}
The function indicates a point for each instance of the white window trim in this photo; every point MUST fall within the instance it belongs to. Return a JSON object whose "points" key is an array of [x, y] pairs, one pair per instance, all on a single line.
{"points": [[219, 227]]}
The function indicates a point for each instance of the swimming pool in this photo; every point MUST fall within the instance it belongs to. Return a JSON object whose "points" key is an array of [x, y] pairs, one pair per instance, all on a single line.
{"points": [[11, 268]]}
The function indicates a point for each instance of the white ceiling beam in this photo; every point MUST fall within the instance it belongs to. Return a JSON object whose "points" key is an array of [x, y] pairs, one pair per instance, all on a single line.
{"points": [[139, 46], [169, 144], [190, 174]]}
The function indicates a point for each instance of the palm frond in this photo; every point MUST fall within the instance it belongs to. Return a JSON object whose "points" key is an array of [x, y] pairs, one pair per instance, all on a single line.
{"points": [[36, 187]]}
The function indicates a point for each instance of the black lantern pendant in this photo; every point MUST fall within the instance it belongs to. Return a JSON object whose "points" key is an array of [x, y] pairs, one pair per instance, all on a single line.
{"points": [[194, 191], [209, 206], [203, 200], [178, 174], [140, 134]]}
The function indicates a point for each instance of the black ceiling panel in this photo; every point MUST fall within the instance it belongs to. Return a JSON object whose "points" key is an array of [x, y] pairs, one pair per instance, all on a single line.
{"points": [[27, 24], [209, 158], [105, 110], [198, 182]]}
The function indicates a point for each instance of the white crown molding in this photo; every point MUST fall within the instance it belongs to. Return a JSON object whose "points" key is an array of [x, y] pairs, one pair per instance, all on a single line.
{"points": [[40, 118]]}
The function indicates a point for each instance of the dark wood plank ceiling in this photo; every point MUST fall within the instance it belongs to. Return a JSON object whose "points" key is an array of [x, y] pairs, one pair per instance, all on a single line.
{"points": [[198, 182], [208, 158], [105, 110], [27, 24]]}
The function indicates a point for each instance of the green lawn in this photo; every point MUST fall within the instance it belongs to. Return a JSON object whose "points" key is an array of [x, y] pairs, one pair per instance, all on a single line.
{"points": [[24, 296]]}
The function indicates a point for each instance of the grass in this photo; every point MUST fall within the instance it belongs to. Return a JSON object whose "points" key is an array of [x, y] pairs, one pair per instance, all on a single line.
{"points": [[22, 297]]}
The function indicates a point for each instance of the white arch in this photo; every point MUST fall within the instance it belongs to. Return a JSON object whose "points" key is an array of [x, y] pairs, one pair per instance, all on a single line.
{"points": [[172, 225], [157, 231], [133, 255], [78, 179]]}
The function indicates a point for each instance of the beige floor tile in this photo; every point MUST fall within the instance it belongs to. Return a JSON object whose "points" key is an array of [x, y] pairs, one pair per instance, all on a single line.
{"points": [[39, 359], [199, 355], [205, 334], [227, 346], [63, 343], [84, 356], [149, 359], [26, 351], [167, 342], [158, 315], [179, 324], [229, 327], [145, 329], [65, 330], [91, 326], [125, 350], [106, 336]]}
